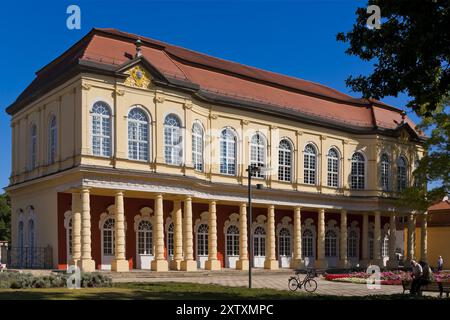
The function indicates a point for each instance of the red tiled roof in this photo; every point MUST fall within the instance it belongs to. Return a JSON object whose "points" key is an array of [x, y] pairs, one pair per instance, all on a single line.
{"points": [[225, 78], [440, 206]]}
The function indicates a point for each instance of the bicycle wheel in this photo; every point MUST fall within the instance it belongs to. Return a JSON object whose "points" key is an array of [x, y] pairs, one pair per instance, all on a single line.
{"points": [[293, 284], [310, 285]]}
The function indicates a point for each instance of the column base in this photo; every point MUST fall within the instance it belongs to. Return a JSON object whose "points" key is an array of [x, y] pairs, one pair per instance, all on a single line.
{"points": [[321, 264], [175, 264], [212, 265], [86, 265], [73, 262], [271, 264], [188, 265], [297, 263], [121, 265], [343, 263], [242, 264], [160, 265]]}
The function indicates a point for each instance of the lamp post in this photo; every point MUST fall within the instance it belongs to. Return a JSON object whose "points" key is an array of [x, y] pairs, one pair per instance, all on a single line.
{"points": [[251, 169]]}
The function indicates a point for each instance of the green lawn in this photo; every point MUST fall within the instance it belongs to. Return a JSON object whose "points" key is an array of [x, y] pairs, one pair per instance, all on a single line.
{"points": [[168, 290]]}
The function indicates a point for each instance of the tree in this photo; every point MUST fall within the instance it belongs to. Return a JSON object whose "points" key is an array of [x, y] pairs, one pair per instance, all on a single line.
{"points": [[5, 217], [411, 54]]}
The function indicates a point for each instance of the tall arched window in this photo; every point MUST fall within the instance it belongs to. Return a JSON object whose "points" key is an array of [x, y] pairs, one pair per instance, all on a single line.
{"points": [[33, 146], [258, 153], [108, 237], [232, 241], [385, 246], [145, 237], [285, 161], [170, 230], [259, 242], [330, 244], [307, 243], [385, 172], [197, 146], [227, 152], [138, 135], [357, 175], [52, 139], [101, 129], [401, 174], [310, 163], [202, 240], [333, 168], [173, 150], [352, 244], [284, 242], [31, 241]]}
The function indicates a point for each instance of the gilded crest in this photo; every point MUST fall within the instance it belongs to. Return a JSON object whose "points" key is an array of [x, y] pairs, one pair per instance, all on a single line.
{"points": [[139, 77]]}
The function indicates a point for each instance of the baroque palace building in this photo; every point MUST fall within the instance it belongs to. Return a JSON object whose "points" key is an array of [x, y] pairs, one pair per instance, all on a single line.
{"points": [[132, 153]]}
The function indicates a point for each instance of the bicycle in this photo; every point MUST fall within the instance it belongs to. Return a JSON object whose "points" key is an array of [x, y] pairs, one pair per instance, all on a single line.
{"points": [[308, 283]]}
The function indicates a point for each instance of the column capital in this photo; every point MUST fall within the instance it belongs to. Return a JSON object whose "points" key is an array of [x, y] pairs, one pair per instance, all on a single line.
{"points": [[343, 210], [85, 189], [119, 192], [243, 204]]}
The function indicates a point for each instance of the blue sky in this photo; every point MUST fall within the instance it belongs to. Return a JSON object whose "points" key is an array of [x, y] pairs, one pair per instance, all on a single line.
{"points": [[296, 38]]}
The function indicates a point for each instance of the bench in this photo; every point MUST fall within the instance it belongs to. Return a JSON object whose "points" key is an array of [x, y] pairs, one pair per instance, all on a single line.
{"points": [[433, 286]]}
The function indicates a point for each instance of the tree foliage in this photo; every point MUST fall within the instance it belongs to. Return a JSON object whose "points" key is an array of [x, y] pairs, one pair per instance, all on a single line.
{"points": [[5, 217], [410, 54]]}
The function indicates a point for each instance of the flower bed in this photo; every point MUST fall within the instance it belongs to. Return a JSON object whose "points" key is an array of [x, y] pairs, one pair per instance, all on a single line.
{"points": [[386, 278]]}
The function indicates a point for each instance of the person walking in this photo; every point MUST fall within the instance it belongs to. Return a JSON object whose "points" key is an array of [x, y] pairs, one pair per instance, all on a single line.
{"points": [[440, 264], [417, 272]]}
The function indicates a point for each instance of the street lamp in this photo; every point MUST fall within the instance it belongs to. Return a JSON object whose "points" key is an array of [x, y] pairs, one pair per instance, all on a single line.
{"points": [[251, 169]]}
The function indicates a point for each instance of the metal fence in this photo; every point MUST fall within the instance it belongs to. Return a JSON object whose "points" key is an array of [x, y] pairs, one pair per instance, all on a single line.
{"points": [[30, 258]]}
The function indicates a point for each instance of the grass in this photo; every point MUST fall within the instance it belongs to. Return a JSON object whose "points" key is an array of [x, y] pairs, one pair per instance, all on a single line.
{"points": [[173, 291]]}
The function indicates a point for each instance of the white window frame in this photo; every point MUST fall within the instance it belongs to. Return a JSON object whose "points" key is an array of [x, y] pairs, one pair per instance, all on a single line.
{"points": [[142, 234], [333, 166], [142, 124], [402, 173], [228, 143], [198, 147], [358, 179], [385, 172], [285, 160], [103, 138], [309, 168], [52, 139], [173, 140], [258, 154]]}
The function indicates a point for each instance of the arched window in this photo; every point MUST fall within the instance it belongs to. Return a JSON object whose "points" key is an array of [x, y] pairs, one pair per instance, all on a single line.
{"points": [[352, 244], [310, 160], [170, 230], [232, 241], [108, 237], [21, 244], [31, 241], [202, 240], [284, 242], [138, 135], [401, 174], [385, 172], [385, 246], [259, 242], [284, 161], [52, 139], [33, 147], [357, 175], [101, 129], [371, 237], [145, 238], [227, 152], [330, 244], [258, 154], [333, 168], [173, 150], [197, 147], [307, 243]]}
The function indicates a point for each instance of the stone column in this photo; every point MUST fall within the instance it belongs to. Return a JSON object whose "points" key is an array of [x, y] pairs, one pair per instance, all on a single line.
{"points": [[86, 263], [188, 264], [343, 262], [392, 262], [410, 239], [271, 262], [377, 240], [159, 263], [212, 263], [424, 238], [119, 263], [297, 258], [365, 240], [321, 262], [243, 262], [76, 229], [175, 264]]}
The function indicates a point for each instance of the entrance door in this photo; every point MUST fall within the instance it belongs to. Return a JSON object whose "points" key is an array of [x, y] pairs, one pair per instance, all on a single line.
{"points": [[144, 237], [232, 246], [202, 245], [259, 247], [108, 236], [284, 248]]}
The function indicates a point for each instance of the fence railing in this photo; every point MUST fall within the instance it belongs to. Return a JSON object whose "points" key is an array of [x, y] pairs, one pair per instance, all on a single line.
{"points": [[30, 257]]}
